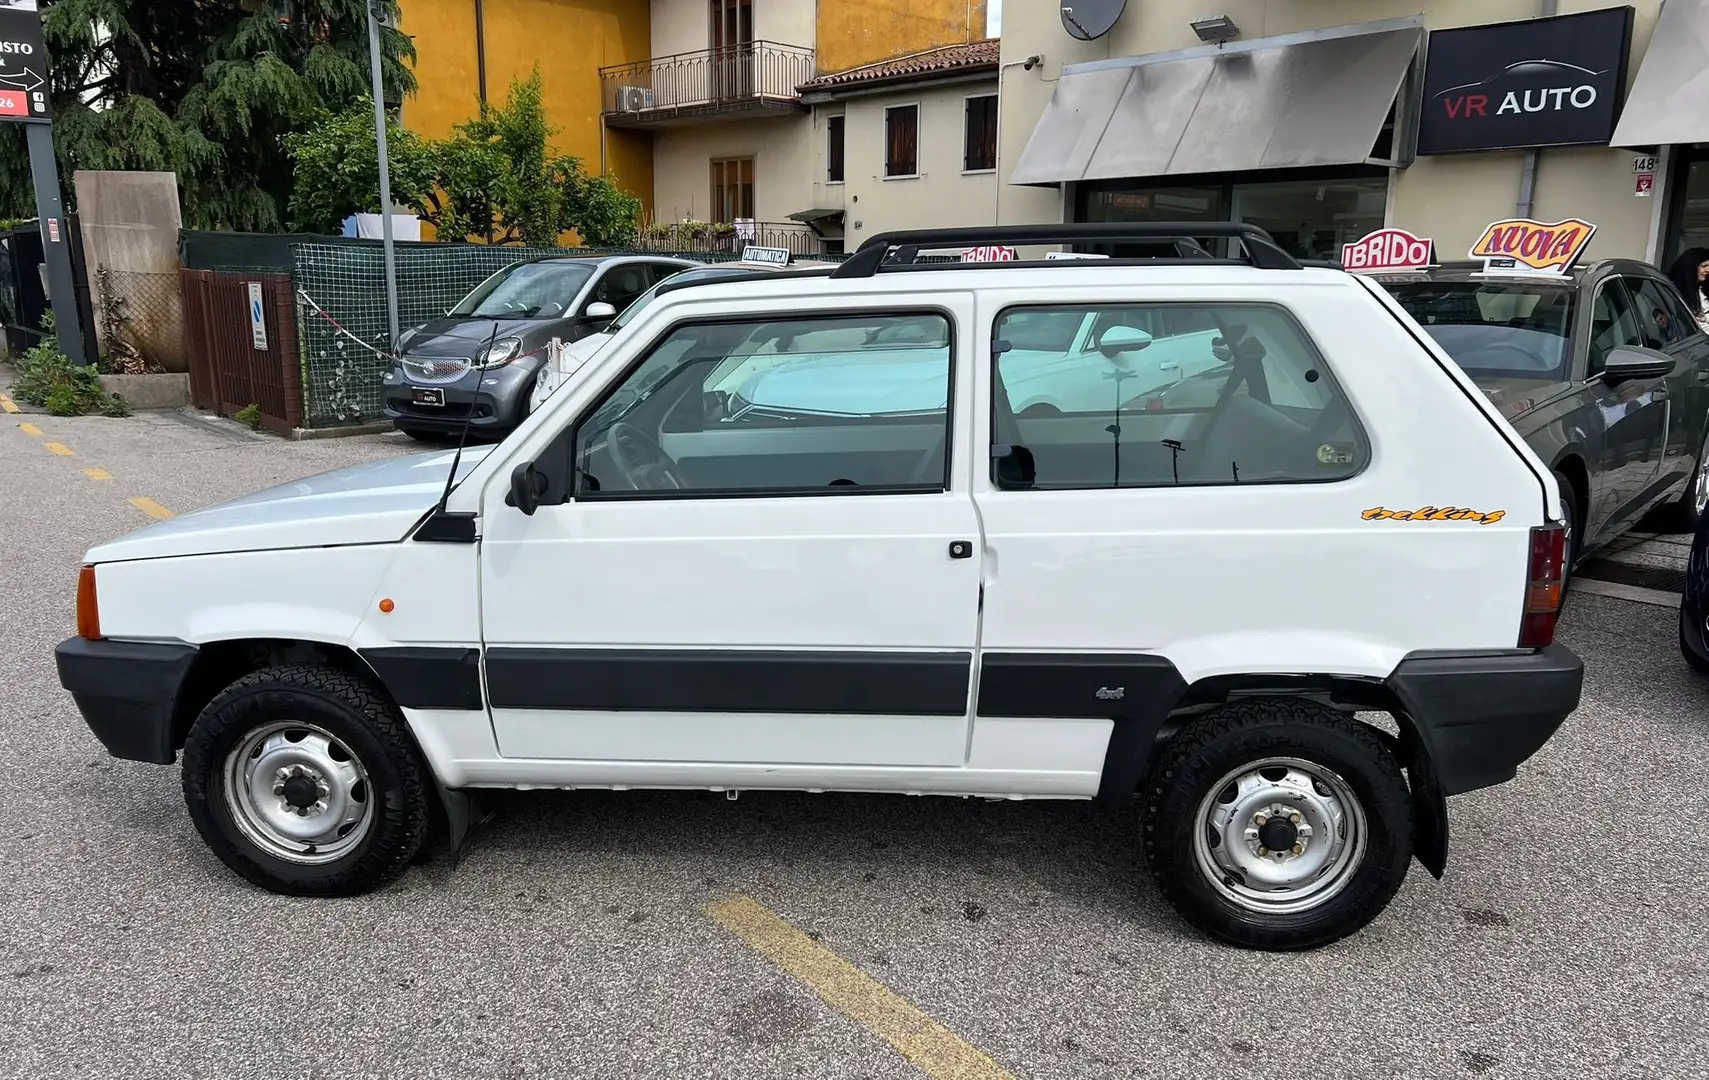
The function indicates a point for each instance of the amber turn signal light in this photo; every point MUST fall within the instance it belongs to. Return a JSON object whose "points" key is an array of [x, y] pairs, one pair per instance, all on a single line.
{"points": [[88, 611]]}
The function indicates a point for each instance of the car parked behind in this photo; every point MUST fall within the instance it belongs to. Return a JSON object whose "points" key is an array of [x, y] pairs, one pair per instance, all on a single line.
{"points": [[477, 363]]}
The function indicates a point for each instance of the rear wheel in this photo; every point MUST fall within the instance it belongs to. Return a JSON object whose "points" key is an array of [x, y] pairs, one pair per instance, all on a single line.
{"points": [[1278, 824], [304, 781], [1695, 500]]}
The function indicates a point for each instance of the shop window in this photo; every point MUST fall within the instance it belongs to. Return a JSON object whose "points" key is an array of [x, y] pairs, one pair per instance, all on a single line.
{"points": [[902, 141], [1312, 219], [732, 189], [979, 144], [834, 149]]}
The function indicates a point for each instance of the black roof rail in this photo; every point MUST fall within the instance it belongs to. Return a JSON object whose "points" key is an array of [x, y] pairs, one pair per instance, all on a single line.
{"points": [[1261, 249]]}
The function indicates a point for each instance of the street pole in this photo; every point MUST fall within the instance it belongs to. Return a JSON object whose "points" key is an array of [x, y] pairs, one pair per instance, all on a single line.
{"points": [[56, 242], [385, 174]]}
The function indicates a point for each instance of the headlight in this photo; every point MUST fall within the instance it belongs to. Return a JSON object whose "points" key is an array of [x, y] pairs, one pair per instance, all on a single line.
{"points": [[500, 352]]}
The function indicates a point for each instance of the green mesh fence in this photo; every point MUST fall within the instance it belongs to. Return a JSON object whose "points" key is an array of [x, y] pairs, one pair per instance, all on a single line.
{"points": [[341, 376]]}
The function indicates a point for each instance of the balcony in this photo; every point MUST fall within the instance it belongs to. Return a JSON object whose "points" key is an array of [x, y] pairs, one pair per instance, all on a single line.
{"points": [[728, 83]]}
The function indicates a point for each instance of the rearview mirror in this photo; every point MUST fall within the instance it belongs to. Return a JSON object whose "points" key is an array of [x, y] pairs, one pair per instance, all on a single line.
{"points": [[1123, 339], [526, 487], [599, 309], [1625, 363]]}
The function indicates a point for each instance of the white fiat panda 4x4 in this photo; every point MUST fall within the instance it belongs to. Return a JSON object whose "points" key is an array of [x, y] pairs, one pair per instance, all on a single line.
{"points": [[792, 533]]}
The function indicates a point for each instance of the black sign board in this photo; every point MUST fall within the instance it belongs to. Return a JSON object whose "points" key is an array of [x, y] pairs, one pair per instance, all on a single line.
{"points": [[23, 63], [1539, 82]]}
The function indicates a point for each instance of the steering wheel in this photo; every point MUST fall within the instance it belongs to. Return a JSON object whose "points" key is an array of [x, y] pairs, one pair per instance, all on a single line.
{"points": [[641, 461]]}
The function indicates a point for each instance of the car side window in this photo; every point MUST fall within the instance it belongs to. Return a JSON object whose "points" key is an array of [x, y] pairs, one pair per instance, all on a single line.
{"points": [[1658, 321], [620, 285], [1612, 324], [1227, 394], [845, 404]]}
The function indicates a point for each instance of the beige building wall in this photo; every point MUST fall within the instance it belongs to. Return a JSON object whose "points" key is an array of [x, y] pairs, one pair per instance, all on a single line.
{"points": [[942, 194], [783, 160], [786, 22], [681, 26], [1450, 198]]}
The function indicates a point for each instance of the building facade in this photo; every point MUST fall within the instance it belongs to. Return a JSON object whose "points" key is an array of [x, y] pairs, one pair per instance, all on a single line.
{"points": [[1284, 114]]}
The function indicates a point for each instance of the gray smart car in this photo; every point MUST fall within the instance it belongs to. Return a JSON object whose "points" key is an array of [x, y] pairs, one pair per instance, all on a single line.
{"points": [[478, 362], [1604, 372]]}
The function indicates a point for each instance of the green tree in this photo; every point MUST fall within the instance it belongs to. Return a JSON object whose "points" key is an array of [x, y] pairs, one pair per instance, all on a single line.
{"points": [[495, 178], [203, 88]]}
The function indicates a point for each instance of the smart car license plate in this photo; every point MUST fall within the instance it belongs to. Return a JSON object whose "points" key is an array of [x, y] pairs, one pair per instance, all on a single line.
{"points": [[422, 396]]}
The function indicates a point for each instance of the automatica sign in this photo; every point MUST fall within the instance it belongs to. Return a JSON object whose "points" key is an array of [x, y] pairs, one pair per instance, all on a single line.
{"points": [[1518, 85]]}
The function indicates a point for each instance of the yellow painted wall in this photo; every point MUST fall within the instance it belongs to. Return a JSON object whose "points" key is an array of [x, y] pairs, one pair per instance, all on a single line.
{"points": [[570, 40], [856, 32]]}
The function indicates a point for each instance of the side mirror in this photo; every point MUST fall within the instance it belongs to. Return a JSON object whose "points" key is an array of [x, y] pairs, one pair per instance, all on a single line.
{"points": [[1625, 363], [526, 487], [1123, 339], [599, 309]]}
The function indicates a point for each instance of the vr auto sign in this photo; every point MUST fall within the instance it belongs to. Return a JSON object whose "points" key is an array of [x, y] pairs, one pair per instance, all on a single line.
{"points": [[1539, 82]]}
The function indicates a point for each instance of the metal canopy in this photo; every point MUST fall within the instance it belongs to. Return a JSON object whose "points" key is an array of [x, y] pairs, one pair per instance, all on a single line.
{"points": [[1285, 103], [1665, 104]]}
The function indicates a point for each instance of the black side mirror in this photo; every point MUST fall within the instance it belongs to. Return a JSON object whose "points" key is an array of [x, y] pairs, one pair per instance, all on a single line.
{"points": [[526, 487], [1624, 363]]}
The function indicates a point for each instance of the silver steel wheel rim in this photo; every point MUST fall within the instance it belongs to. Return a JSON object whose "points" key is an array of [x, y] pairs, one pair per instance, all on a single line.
{"points": [[298, 794], [1700, 485], [1325, 832]]}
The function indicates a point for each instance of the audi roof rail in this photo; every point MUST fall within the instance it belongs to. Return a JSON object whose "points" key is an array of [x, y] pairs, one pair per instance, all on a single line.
{"points": [[1261, 249]]}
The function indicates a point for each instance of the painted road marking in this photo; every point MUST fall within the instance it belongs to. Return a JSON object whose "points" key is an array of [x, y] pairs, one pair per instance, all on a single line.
{"points": [[59, 448], [931, 1047], [29, 429], [8, 404], [151, 508], [97, 474]]}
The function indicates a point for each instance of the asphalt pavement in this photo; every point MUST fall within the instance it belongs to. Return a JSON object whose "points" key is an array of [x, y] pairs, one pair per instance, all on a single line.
{"points": [[651, 935]]}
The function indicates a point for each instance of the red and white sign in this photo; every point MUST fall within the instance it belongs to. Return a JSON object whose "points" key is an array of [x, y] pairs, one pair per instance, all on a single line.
{"points": [[1388, 250], [1645, 185], [53, 230], [990, 253]]}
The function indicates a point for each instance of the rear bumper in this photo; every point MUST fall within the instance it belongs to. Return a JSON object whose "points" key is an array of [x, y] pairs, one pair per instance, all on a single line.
{"points": [[1480, 715], [127, 692]]}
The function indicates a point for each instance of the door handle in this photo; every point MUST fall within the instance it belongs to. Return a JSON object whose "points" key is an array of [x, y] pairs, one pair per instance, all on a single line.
{"points": [[1659, 394], [960, 549], [1703, 375]]}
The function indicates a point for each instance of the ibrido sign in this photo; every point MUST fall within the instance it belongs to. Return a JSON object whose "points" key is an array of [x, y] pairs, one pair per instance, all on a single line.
{"points": [[23, 64], [1388, 250]]}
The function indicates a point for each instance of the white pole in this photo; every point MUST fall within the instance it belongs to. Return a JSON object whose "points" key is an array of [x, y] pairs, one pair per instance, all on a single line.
{"points": [[385, 173]]}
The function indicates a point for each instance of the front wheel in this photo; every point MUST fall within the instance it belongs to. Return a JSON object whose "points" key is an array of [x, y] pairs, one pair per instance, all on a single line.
{"points": [[304, 781], [1278, 824]]}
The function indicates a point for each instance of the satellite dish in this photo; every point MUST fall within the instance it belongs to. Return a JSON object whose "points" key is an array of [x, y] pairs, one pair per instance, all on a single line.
{"points": [[1090, 20]]}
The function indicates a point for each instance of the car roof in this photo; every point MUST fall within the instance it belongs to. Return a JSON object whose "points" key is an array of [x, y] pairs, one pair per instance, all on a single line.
{"points": [[603, 259], [1470, 271]]}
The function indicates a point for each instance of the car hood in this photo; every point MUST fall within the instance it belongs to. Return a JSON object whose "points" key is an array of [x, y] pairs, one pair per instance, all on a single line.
{"points": [[465, 337], [373, 503], [1513, 398]]}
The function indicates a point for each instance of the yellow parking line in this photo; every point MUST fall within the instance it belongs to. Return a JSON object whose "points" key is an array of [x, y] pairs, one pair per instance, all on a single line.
{"points": [[59, 448], [29, 429], [151, 508], [97, 474], [931, 1047], [8, 404]]}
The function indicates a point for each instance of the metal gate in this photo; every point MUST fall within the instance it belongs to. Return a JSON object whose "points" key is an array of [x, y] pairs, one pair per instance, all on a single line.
{"points": [[240, 356]]}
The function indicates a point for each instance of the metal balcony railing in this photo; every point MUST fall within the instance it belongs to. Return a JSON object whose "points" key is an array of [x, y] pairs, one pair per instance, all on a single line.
{"points": [[755, 77], [729, 237]]}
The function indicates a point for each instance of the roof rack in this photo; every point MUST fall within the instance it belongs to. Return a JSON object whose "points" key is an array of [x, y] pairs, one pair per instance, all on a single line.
{"points": [[1261, 249]]}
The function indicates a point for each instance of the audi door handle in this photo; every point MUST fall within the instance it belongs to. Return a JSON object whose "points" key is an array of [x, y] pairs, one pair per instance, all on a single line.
{"points": [[1703, 376]]}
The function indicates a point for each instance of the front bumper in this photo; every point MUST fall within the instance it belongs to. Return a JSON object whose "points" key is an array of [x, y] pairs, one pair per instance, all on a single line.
{"points": [[495, 400], [127, 692], [1480, 715]]}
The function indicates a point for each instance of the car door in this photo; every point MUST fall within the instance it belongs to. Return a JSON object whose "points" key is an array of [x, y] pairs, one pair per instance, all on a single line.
{"points": [[1633, 416], [1667, 326], [795, 588]]}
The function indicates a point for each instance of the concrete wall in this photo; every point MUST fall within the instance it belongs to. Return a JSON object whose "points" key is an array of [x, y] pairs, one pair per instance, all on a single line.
{"points": [[783, 160], [856, 32], [941, 194], [130, 223], [570, 40], [1450, 198]]}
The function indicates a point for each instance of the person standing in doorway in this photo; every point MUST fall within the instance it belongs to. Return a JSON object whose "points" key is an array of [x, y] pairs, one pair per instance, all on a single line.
{"points": [[1690, 273]]}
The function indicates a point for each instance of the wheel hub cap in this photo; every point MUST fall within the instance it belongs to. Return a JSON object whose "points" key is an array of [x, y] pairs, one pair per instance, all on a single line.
{"points": [[297, 793]]}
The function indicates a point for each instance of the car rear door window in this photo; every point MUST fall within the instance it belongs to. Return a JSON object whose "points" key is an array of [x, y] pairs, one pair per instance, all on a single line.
{"points": [[1166, 395]]}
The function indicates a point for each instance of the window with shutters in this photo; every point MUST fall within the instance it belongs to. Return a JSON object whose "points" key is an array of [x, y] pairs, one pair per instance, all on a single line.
{"points": [[834, 149], [979, 146], [902, 140]]}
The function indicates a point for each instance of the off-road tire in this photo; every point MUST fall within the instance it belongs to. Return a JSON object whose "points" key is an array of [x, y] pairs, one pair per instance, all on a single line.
{"points": [[1246, 731], [365, 721]]}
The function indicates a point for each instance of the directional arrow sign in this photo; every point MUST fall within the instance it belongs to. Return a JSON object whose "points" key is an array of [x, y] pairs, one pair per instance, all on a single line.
{"points": [[23, 63]]}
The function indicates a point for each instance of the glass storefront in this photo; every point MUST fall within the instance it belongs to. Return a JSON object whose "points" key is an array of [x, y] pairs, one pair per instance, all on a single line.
{"points": [[1688, 197], [1309, 218]]}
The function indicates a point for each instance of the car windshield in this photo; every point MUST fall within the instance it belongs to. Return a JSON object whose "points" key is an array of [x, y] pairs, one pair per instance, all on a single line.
{"points": [[525, 290], [1513, 330]]}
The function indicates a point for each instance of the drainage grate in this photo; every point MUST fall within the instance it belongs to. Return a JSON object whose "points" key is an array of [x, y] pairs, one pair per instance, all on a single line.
{"points": [[1643, 577]]}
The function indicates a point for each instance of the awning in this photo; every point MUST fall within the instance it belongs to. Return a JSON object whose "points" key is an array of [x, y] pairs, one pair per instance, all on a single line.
{"points": [[1666, 103], [808, 217], [1303, 100]]}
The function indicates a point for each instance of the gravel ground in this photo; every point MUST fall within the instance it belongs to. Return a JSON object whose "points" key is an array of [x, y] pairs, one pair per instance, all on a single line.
{"points": [[1567, 939]]}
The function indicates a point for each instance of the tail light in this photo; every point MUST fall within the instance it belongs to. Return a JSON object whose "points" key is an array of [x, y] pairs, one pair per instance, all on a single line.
{"points": [[1543, 586], [88, 611]]}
